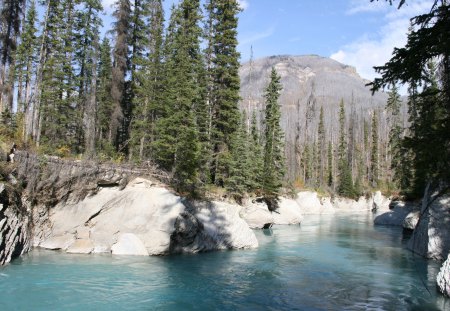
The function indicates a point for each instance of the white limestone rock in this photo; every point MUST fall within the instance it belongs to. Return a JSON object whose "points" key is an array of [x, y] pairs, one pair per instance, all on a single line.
{"points": [[58, 242], [310, 203], [81, 246], [256, 214], [142, 214], [129, 244], [223, 227], [443, 277], [288, 213]]}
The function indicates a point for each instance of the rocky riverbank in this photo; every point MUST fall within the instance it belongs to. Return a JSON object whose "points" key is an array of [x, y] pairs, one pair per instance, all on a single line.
{"points": [[92, 208], [429, 221]]}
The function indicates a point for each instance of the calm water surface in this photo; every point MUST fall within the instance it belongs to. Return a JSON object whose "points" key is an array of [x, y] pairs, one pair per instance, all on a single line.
{"points": [[327, 263]]}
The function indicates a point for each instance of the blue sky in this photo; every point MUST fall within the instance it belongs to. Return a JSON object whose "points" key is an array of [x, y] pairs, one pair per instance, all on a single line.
{"points": [[354, 32]]}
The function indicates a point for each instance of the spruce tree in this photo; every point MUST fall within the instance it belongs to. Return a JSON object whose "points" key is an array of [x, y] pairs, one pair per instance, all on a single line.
{"points": [[177, 147], [239, 180], [395, 133], [330, 179], [321, 149], [105, 101], [274, 161], [11, 17], [87, 49], [122, 15], [345, 186], [255, 160], [223, 95], [57, 116], [428, 40], [26, 58], [148, 86], [374, 155]]}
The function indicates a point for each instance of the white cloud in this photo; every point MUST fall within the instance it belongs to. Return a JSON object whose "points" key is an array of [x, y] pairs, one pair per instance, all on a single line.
{"points": [[243, 4], [364, 6], [375, 49], [257, 36]]}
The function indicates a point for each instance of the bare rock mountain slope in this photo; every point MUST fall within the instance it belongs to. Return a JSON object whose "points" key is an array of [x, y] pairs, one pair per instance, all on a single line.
{"points": [[309, 83]]}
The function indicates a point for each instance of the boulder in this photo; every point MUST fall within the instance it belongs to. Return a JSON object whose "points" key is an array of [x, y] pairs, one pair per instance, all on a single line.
{"points": [[122, 221], [431, 238], [394, 217], [58, 242], [443, 277], [411, 220], [81, 246], [256, 214], [210, 226], [310, 203], [288, 213], [129, 244]]}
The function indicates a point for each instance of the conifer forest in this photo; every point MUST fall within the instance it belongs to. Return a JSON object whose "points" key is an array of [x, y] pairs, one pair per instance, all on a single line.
{"points": [[163, 92]]}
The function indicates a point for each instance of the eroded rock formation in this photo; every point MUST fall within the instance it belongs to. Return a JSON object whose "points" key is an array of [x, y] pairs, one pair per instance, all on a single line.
{"points": [[15, 224]]}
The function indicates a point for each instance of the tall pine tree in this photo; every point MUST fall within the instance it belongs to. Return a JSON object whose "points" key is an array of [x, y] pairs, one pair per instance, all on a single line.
{"points": [[223, 95], [274, 160]]}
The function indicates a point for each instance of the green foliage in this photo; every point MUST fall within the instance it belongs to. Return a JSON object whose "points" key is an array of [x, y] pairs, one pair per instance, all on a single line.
{"points": [[346, 187], [428, 143], [274, 161], [395, 134], [374, 161], [239, 181], [224, 82], [255, 161], [177, 146]]}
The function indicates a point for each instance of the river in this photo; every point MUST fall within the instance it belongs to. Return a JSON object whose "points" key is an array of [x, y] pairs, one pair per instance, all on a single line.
{"points": [[337, 262]]}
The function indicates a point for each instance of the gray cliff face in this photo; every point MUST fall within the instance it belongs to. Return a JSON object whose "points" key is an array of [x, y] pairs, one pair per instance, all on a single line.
{"points": [[309, 82]]}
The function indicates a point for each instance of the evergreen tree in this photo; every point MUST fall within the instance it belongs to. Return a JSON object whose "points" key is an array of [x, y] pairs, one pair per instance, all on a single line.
{"points": [[178, 147], [223, 95], [274, 162], [321, 149], [342, 151], [428, 40], [374, 158], [11, 14], [105, 101], [122, 15], [87, 50], [255, 159], [57, 115], [307, 163], [240, 172], [148, 85], [345, 186], [330, 179], [395, 134], [26, 57]]}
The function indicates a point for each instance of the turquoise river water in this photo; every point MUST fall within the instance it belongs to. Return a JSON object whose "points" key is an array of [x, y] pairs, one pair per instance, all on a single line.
{"points": [[328, 263]]}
